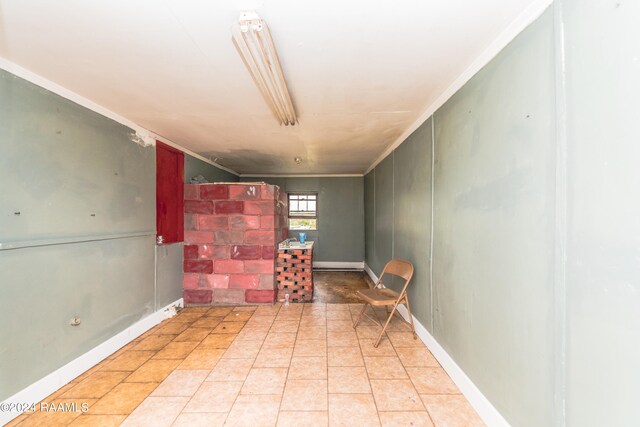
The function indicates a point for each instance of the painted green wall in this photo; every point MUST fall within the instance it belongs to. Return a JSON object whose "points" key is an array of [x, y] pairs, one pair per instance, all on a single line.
{"points": [[369, 216], [169, 270], [194, 167], [490, 304], [603, 211], [494, 199], [383, 223], [84, 241], [340, 235], [412, 215], [534, 289]]}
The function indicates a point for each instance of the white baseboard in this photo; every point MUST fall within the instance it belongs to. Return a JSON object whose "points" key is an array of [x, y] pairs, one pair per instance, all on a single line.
{"points": [[480, 403], [370, 272], [339, 265], [55, 380]]}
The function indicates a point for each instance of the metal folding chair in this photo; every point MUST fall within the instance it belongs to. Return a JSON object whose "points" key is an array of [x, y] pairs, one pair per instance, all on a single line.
{"points": [[381, 296]]}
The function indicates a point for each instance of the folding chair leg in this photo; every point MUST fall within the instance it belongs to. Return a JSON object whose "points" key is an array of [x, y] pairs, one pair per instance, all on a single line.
{"points": [[386, 324], [413, 329], [360, 315]]}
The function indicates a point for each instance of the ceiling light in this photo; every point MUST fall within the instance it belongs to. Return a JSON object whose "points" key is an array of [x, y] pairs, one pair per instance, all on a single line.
{"points": [[253, 41], [298, 160]]}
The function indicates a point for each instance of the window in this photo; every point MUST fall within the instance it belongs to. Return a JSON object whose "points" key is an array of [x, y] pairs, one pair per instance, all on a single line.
{"points": [[303, 211]]}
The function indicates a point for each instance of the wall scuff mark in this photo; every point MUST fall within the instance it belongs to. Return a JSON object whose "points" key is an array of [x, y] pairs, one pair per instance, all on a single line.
{"points": [[143, 139]]}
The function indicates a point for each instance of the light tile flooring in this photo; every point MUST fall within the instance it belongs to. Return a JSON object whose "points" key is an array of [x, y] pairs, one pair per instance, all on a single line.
{"points": [[301, 365]]}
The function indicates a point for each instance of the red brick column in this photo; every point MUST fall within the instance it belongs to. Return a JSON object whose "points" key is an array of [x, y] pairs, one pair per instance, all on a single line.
{"points": [[231, 232], [294, 274]]}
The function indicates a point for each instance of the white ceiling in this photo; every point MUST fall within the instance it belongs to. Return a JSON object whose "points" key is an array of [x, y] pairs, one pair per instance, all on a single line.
{"points": [[360, 71]]}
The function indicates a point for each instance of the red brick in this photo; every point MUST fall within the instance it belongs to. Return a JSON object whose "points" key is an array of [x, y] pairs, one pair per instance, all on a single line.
{"points": [[267, 221], [262, 207], [191, 192], [244, 281], [190, 222], [228, 237], [198, 266], [244, 192], [197, 296], [246, 252], [214, 192], [215, 281], [259, 237], [195, 237], [266, 281], [253, 295], [226, 266], [244, 222], [198, 206], [268, 192], [213, 251], [228, 296], [260, 266], [190, 251], [268, 252], [230, 207], [213, 222], [190, 281]]}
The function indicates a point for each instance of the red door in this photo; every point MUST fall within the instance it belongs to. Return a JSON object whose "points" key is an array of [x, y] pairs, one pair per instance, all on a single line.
{"points": [[169, 193]]}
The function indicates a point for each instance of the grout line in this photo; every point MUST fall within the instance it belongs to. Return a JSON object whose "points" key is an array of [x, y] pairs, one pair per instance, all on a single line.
{"points": [[404, 368], [284, 387], [190, 323], [373, 396], [210, 371], [254, 361]]}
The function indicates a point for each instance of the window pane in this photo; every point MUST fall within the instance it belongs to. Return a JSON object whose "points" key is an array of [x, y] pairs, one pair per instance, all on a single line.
{"points": [[303, 224], [302, 205]]}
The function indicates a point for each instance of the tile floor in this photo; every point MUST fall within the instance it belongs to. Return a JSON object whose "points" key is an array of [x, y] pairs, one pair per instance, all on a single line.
{"points": [[301, 365]]}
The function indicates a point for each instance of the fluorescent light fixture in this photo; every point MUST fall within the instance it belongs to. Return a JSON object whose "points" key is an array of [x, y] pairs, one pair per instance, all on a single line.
{"points": [[253, 41]]}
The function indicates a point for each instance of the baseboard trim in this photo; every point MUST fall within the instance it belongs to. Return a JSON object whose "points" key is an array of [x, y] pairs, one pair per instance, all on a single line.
{"points": [[58, 378], [370, 272], [480, 403], [339, 265]]}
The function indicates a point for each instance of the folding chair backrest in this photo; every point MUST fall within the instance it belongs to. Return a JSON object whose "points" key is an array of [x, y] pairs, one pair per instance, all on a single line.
{"points": [[401, 268]]}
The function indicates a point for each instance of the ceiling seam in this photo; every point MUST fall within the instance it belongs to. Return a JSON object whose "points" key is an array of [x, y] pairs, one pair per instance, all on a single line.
{"points": [[62, 91], [521, 22]]}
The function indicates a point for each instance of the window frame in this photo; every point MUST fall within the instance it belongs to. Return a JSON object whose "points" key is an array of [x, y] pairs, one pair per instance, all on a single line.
{"points": [[302, 193]]}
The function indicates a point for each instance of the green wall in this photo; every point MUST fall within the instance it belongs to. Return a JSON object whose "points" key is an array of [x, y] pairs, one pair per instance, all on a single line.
{"points": [[194, 167], [602, 174], [494, 207], [412, 215], [340, 235], [528, 205], [77, 232]]}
